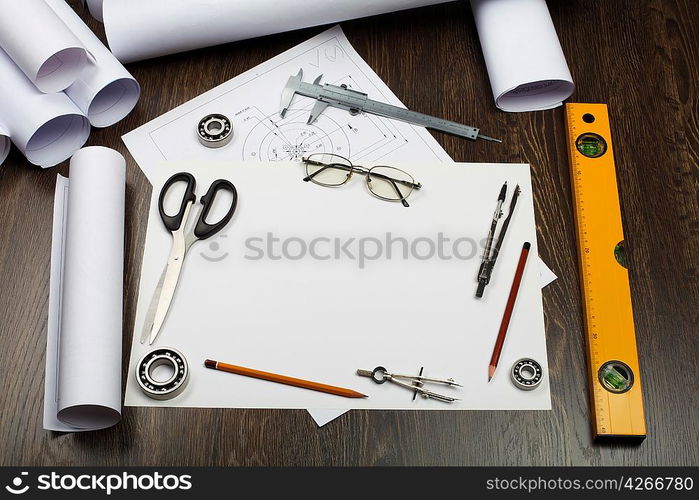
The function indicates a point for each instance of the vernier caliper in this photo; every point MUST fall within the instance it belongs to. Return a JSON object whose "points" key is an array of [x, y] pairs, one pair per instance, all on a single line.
{"points": [[356, 102]]}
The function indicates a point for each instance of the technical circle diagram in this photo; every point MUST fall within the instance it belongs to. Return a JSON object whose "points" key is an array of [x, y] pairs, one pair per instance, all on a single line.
{"points": [[291, 138]]}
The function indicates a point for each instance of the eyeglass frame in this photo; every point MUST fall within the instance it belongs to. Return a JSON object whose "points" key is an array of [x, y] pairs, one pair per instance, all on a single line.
{"points": [[360, 170]]}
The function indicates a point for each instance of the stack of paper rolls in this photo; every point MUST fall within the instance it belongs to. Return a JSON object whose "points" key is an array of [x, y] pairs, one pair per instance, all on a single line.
{"points": [[56, 85], [522, 53]]}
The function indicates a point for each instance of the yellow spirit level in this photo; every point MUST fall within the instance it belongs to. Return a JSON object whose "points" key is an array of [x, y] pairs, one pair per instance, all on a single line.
{"points": [[614, 375]]}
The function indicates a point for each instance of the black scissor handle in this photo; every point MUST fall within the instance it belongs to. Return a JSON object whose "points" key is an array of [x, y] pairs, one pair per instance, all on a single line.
{"points": [[204, 230], [173, 222]]}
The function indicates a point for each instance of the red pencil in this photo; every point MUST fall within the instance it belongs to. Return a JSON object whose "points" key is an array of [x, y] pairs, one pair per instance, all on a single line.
{"points": [[508, 311]]}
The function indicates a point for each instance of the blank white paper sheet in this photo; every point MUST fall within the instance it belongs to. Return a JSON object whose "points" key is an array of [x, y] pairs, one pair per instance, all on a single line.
{"points": [[251, 296]]}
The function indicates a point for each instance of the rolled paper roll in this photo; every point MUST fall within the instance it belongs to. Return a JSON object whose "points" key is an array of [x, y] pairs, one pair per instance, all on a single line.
{"points": [[105, 91], [525, 62], [46, 128], [4, 143], [40, 44], [95, 8], [83, 373], [141, 29]]}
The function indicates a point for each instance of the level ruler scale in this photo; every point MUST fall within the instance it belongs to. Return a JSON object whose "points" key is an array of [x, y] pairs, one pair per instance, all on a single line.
{"points": [[614, 374]]}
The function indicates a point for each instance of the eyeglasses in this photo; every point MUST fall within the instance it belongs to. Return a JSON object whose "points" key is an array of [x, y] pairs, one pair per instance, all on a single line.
{"points": [[386, 183]]}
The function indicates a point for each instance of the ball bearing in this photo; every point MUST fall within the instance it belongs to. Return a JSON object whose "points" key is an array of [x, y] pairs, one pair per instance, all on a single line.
{"points": [[162, 389], [215, 131], [526, 374]]}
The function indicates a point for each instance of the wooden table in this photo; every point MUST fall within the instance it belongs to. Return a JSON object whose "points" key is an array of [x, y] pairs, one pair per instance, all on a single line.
{"points": [[639, 57]]}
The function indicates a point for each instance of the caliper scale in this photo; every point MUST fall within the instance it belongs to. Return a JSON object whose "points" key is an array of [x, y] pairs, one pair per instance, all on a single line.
{"points": [[357, 102]]}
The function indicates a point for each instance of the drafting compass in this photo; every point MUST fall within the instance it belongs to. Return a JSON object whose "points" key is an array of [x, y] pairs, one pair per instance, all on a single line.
{"points": [[489, 257], [356, 102], [415, 383]]}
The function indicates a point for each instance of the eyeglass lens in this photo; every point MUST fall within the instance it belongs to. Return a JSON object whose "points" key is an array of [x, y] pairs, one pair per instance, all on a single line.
{"points": [[328, 169]]}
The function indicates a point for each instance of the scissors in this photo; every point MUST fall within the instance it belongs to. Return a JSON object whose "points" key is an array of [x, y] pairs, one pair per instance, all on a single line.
{"points": [[183, 236]]}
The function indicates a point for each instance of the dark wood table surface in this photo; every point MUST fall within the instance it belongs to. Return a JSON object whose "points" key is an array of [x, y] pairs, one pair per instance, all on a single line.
{"points": [[639, 57]]}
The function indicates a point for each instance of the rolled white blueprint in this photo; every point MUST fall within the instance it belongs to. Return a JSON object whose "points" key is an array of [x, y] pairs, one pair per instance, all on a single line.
{"points": [[83, 356], [141, 29], [40, 44], [95, 7], [526, 66], [46, 128], [104, 91], [4, 143]]}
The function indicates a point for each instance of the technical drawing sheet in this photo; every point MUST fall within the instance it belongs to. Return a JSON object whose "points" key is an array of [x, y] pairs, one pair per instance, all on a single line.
{"points": [[252, 100]]}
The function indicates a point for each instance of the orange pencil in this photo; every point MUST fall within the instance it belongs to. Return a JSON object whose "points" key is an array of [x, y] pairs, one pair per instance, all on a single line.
{"points": [[283, 379]]}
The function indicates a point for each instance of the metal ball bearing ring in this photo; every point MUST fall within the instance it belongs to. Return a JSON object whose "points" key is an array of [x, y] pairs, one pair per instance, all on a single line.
{"points": [[526, 374], [215, 131], [165, 389]]}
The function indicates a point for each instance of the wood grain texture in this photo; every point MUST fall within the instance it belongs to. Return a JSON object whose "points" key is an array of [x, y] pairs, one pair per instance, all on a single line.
{"points": [[640, 57]]}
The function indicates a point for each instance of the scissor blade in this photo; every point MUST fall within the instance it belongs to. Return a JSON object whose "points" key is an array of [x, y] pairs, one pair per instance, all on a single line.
{"points": [[166, 289], [150, 314]]}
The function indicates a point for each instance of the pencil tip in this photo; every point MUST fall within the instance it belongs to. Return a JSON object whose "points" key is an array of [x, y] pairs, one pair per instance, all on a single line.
{"points": [[351, 393]]}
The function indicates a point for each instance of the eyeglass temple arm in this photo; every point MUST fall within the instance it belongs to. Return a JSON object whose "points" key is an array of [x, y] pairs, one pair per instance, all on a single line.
{"points": [[400, 195]]}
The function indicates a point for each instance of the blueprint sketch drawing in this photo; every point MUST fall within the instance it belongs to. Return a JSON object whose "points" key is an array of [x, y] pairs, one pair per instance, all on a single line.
{"points": [[251, 101]]}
